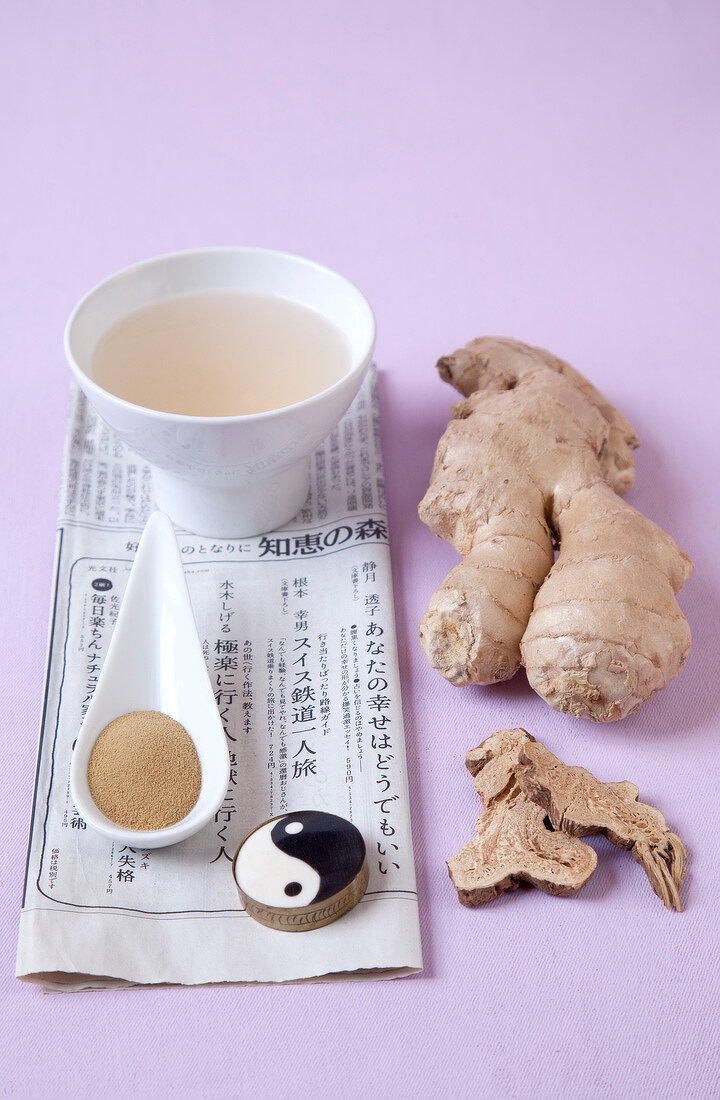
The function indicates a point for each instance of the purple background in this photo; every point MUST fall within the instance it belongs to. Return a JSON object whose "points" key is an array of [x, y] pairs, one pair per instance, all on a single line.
{"points": [[543, 170]]}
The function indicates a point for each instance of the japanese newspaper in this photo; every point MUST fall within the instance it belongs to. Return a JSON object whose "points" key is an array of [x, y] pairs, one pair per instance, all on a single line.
{"points": [[298, 633]]}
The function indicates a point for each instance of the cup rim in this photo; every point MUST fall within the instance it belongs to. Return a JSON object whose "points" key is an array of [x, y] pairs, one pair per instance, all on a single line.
{"points": [[190, 418]]}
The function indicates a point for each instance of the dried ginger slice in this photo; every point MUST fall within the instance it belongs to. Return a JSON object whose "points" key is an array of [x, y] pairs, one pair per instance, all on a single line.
{"points": [[580, 805], [513, 842]]}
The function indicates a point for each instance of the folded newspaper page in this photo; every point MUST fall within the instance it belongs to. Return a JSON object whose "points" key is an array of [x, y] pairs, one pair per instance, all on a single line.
{"points": [[298, 633]]}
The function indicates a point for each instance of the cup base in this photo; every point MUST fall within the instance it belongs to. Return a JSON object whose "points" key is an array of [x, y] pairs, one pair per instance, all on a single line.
{"points": [[233, 512]]}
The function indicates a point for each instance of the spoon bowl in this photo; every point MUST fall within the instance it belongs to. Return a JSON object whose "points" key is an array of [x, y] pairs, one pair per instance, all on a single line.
{"points": [[155, 662]]}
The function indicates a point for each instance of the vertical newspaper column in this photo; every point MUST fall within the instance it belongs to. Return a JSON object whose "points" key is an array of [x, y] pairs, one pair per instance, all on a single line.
{"points": [[379, 700], [226, 668]]}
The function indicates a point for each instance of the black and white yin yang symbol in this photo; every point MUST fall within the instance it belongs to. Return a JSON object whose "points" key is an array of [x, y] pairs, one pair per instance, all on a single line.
{"points": [[299, 859]]}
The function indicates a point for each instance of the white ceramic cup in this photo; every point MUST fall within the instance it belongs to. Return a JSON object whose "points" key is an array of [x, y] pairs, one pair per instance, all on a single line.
{"points": [[225, 476]]}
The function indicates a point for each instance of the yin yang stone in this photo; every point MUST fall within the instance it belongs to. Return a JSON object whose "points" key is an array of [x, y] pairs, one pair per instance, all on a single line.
{"points": [[302, 870]]}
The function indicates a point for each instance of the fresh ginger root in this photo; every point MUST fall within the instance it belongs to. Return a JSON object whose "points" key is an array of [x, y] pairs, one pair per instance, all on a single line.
{"points": [[534, 460]]}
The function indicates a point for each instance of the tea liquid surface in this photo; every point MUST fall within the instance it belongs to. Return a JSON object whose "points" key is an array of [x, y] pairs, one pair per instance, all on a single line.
{"points": [[220, 353]]}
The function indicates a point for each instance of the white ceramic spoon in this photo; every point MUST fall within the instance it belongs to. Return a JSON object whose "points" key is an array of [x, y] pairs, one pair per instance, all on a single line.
{"points": [[155, 662]]}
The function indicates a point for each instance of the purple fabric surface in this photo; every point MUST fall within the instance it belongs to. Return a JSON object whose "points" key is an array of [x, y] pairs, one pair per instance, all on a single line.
{"points": [[548, 171]]}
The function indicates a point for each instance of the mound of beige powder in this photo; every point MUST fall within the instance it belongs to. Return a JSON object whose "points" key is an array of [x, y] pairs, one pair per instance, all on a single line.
{"points": [[144, 771]]}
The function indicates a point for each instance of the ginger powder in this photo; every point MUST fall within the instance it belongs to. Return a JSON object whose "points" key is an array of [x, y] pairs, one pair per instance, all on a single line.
{"points": [[144, 771]]}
